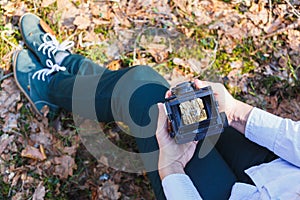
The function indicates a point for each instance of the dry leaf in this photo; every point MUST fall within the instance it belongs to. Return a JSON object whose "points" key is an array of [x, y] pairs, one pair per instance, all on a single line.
{"points": [[90, 36], [114, 65], [33, 153], [294, 39], [46, 27], [41, 138], [82, 22], [4, 141], [103, 160], [289, 108], [9, 96], [11, 122], [64, 166], [103, 11], [18, 196], [16, 179], [46, 3], [45, 110], [39, 192], [71, 151], [66, 11], [177, 77], [109, 190]]}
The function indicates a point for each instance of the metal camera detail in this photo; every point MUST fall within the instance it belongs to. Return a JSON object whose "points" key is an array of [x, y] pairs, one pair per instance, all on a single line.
{"points": [[193, 113]]}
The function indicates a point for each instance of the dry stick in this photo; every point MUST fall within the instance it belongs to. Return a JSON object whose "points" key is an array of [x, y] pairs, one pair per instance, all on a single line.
{"points": [[5, 76], [289, 27], [271, 11], [214, 56], [294, 9], [6, 40]]}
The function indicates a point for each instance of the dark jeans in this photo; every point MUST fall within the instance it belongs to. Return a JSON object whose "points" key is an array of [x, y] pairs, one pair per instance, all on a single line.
{"points": [[130, 95]]}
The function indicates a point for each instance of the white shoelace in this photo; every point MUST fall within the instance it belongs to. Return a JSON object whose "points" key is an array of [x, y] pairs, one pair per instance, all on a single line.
{"points": [[45, 72], [52, 45]]}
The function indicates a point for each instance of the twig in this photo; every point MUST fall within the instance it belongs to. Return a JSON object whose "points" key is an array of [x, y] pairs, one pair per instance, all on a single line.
{"points": [[214, 53], [271, 11], [6, 40], [294, 9], [5, 76], [291, 26], [88, 44], [135, 43], [214, 57]]}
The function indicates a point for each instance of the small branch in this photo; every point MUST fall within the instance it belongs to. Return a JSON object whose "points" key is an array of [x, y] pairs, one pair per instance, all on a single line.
{"points": [[294, 9], [289, 27], [271, 11], [6, 40], [5, 76]]}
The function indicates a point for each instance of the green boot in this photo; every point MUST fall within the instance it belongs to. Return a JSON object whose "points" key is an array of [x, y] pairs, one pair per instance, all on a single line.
{"points": [[40, 40], [28, 73]]}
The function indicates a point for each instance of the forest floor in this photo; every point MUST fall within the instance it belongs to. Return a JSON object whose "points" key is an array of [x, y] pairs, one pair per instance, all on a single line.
{"points": [[253, 47]]}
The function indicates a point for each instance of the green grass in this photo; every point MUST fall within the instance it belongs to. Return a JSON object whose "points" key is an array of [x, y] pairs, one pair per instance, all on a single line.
{"points": [[246, 51], [4, 189]]}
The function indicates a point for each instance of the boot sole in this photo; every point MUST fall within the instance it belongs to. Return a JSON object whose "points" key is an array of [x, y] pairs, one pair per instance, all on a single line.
{"points": [[19, 85]]}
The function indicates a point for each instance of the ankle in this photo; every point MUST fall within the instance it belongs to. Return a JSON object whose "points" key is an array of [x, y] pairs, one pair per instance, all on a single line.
{"points": [[60, 56]]}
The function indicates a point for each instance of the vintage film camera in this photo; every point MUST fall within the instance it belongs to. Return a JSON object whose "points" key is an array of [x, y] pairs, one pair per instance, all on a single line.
{"points": [[193, 113]]}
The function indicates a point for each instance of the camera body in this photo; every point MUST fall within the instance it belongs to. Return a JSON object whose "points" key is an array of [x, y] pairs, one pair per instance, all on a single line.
{"points": [[193, 113]]}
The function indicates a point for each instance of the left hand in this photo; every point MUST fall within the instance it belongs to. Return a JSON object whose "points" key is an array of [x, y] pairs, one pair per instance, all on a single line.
{"points": [[172, 157]]}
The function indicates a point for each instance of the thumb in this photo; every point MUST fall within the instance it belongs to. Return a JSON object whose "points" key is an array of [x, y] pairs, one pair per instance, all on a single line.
{"points": [[200, 84], [162, 118]]}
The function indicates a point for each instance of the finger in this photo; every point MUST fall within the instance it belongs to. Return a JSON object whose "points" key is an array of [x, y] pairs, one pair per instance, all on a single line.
{"points": [[168, 94], [200, 84], [162, 119]]}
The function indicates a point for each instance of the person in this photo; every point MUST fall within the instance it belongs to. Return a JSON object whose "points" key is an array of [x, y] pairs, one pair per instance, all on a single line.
{"points": [[49, 74], [273, 179]]}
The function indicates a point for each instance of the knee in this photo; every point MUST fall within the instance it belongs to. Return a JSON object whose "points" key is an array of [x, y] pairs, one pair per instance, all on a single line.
{"points": [[146, 73]]}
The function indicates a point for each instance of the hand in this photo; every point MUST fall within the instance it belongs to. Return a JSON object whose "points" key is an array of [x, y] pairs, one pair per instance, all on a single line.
{"points": [[236, 111], [172, 157]]}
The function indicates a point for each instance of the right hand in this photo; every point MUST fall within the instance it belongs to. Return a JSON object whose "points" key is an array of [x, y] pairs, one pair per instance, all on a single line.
{"points": [[236, 111], [225, 100]]}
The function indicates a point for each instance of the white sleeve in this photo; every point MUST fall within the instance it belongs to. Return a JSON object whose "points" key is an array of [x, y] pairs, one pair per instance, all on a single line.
{"points": [[282, 136], [178, 187]]}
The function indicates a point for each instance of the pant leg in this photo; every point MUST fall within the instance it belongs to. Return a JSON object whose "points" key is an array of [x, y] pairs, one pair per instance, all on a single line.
{"points": [[112, 91], [241, 153], [141, 87], [78, 64]]}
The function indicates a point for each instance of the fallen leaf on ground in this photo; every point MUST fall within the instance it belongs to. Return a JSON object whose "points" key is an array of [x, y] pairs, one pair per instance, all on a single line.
{"points": [[9, 96], [4, 141], [109, 190], [46, 27], [64, 166], [18, 196], [39, 192], [82, 22], [46, 3], [11, 122], [33, 153]]}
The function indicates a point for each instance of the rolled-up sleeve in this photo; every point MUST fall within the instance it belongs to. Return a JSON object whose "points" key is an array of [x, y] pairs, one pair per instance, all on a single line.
{"points": [[178, 187], [281, 136]]}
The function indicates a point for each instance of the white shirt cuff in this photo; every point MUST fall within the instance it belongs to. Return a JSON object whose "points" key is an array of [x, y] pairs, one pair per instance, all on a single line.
{"points": [[178, 187], [263, 128]]}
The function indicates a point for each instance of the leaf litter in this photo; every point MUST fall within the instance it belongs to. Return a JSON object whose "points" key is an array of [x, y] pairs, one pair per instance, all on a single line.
{"points": [[38, 160]]}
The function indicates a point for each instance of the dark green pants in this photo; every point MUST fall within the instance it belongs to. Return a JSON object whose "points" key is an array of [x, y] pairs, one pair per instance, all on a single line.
{"points": [[130, 95]]}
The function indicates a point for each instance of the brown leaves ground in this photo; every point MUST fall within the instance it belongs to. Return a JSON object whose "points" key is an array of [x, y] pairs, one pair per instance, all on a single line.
{"points": [[38, 160]]}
